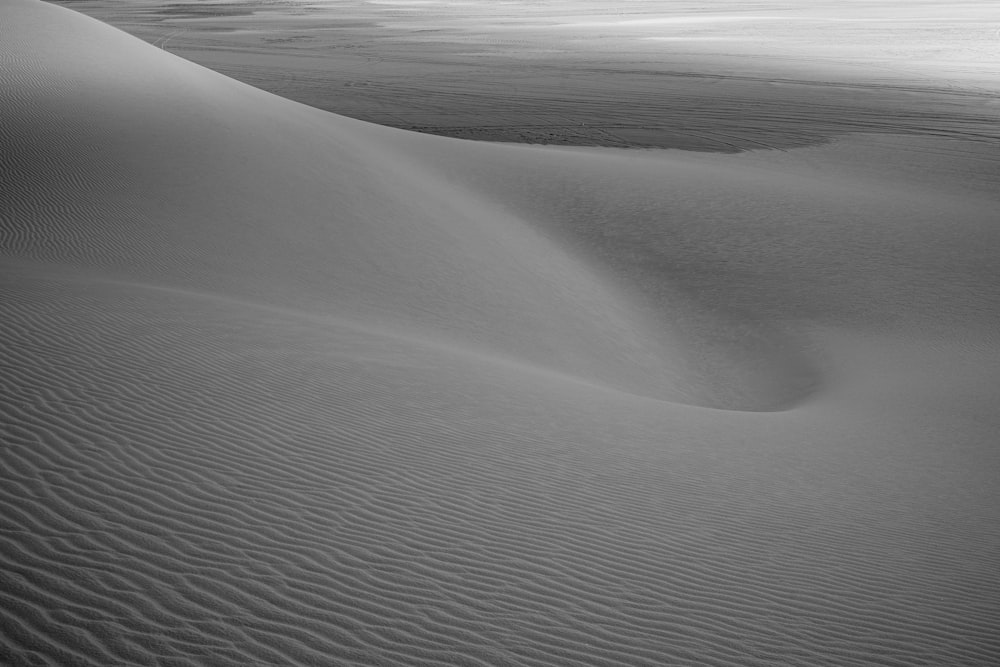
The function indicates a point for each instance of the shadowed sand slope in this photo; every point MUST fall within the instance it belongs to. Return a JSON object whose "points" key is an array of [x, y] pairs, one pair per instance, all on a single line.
{"points": [[281, 387]]}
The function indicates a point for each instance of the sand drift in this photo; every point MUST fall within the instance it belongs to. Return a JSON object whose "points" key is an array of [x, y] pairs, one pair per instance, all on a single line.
{"points": [[284, 387]]}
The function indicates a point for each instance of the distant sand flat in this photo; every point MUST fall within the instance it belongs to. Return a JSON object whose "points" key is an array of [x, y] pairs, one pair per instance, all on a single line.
{"points": [[283, 387], [721, 76]]}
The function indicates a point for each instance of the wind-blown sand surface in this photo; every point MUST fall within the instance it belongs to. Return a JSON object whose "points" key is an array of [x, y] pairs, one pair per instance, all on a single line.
{"points": [[713, 75], [284, 387]]}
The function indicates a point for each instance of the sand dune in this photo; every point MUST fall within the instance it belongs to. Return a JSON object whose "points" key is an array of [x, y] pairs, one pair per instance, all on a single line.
{"points": [[282, 387]]}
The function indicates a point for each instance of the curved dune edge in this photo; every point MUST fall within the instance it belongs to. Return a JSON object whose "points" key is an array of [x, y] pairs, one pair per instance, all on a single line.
{"points": [[153, 169], [211, 455]]}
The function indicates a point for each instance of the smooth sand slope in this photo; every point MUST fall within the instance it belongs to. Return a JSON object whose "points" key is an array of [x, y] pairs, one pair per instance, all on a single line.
{"points": [[281, 387]]}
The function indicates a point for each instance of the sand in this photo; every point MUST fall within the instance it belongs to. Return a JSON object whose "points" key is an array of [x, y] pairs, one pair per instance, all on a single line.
{"points": [[284, 387], [719, 75]]}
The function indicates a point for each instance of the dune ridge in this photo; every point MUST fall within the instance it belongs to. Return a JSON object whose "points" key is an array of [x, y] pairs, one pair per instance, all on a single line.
{"points": [[367, 239], [280, 387]]}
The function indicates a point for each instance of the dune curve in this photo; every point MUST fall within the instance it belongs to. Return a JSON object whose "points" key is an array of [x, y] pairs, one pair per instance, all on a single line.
{"points": [[256, 196], [281, 387]]}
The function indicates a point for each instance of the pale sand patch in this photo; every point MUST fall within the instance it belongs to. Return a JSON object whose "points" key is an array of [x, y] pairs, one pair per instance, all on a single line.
{"points": [[768, 75]]}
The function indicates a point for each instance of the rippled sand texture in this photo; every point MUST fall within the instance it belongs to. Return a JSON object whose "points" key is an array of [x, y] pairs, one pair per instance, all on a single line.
{"points": [[281, 387], [711, 75]]}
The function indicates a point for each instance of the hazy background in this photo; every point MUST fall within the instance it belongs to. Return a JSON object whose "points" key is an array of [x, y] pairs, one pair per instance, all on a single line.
{"points": [[719, 76]]}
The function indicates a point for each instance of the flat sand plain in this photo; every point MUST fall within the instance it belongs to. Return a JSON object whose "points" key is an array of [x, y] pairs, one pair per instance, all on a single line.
{"points": [[711, 76], [283, 387]]}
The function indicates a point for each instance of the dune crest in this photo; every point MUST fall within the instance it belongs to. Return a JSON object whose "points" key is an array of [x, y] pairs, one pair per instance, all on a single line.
{"points": [[153, 168]]}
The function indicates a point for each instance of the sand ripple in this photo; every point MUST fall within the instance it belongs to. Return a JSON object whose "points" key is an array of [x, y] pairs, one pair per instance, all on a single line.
{"points": [[273, 392]]}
